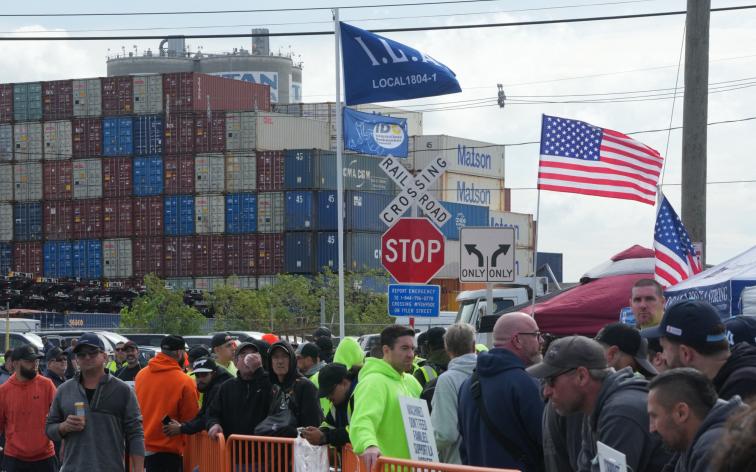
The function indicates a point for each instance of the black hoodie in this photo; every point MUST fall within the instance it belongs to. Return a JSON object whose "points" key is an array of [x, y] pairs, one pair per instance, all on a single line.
{"points": [[197, 424], [303, 394], [241, 404], [738, 375]]}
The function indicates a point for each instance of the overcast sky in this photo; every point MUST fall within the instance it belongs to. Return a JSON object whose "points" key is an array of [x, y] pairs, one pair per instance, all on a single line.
{"points": [[547, 60]]}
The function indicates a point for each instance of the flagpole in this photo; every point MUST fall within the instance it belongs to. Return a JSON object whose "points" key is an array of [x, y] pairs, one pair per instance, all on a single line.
{"points": [[339, 173], [535, 250]]}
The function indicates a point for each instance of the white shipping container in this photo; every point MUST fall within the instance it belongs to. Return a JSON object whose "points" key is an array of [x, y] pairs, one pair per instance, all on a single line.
{"points": [[242, 282], [180, 283], [148, 94], [266, 281], [241, 171], [326, 111], [240, 131], [27, 141], [270, 212], [464, 156], [27, 182], [87, 97], [6, 182], [209, 172], [57, 140], [209, 214], [116, 258], [523, 261], [6, 222], [6, 142], [451, 261], [208, 283], [470, 190], [521, 222], [87, 178], [276, 131]]}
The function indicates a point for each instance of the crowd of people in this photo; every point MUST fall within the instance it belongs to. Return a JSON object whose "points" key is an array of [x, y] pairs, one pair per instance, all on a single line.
{"points": [[670, 395]]}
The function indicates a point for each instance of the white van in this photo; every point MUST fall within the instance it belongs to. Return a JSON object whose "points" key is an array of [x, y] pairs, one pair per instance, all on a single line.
{"points": [[21, 325]]}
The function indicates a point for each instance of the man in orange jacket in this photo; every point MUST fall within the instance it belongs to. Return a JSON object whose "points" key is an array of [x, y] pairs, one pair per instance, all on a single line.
{"points": [[165, 392]]}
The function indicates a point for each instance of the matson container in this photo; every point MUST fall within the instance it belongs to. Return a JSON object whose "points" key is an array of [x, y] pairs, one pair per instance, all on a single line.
{"points": [[363, 251], [117, 217], [147, 256], [241, 213], [178, 214], [117, 136], [58, 219], [523, 262], [57, 100], [276, 131], [464, 156], [299, 253], [27, 222], [471, 190], [86, 137], [6, 102], [27, 181], [210, 132], [57, 180], [6, 258], [309, 169], [327, 251], [6, 182], [361, 210], [148, 216], [87, 218], [56, 136], [117, 258], [210, 214], [27, 101], [117, 95], [209, 170], [191, 91], [27, 141], [6, 222], [148, 135], [148, 94], [241, 171], [179, 134], [179, 174], [178, 254], [6, 142], [270, 212], [27, 258], [300, 211], [148, 175], [116, 177], [87, 178], [521, 222], [87, 259], [209, 255], [270, 171], [58, 259], [241, 255], [270, 254], [87, 97]]}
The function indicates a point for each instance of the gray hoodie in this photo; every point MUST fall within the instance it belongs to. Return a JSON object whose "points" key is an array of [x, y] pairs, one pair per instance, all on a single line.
{"points": [[444, 403], [113, 420]]}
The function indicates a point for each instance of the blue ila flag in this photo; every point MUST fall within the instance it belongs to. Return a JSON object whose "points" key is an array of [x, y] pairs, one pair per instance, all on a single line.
{"points": [[373, 134], [378, 69]]}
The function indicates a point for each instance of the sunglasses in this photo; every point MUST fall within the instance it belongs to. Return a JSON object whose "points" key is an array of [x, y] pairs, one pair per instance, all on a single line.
{"points": [[119, 349], [550, 381], [82, 354]]}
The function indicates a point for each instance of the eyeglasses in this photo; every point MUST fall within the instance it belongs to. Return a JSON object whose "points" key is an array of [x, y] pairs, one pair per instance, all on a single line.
{"points": [[550, 381], [537, 334], [119, 349], [82, 354]]}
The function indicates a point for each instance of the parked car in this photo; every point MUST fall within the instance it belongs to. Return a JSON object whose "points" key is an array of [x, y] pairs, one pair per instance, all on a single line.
{"points": [[197, 340], [146, 339], [20, 339], [109, 338]]}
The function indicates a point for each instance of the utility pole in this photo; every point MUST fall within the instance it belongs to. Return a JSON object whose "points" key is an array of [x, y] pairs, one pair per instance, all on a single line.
{"points": [[695, 112]]}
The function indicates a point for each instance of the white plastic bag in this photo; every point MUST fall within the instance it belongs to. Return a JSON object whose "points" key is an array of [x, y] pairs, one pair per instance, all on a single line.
{"points": [[309, 458]]}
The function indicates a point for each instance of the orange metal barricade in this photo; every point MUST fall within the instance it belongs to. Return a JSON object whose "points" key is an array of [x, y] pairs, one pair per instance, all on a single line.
{"points": [[259, 454], [204, 454], [352, 463]]}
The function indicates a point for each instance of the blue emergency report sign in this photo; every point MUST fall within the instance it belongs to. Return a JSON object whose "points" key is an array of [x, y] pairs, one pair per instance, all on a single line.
{"points": [[414, 300]]}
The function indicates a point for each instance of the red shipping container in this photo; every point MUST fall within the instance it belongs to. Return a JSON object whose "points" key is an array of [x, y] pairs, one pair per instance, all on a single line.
{"points": [[178, 254], [178, 172], [57, 100], [87, 218], [179, 134], [241, 255], [148, 216], [270, 254], [147, 257], [57, 180], [117, 220], [270, 171], [191, 91], [210, 133], [117, 95], [116, 177], [6, 102], [57, 219], [86, 137], [27, 257], [209, 255]]}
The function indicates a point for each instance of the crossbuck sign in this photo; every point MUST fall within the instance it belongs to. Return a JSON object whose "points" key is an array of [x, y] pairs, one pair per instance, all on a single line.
{"points": [[414, 190]]}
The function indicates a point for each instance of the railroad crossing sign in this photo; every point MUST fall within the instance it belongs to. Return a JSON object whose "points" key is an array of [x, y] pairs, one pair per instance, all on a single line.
{"points": [[413, 250], [414, 190], [487, 255]]}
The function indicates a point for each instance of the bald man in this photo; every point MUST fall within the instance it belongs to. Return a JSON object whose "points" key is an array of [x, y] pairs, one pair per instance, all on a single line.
{"points": [[500, 406]]}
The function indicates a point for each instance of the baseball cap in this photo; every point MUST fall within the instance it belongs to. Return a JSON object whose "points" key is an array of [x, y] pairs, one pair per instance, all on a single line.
{"points": [[435, 337], [130, 344], [322, 331], [309, 350], [204, 364], [172, 343], [219, 339], [695, 323], [629, 341], [330, 376], [196, 352], [89, 339], [27, 352], [246, 346], [569, 353], [54, 353], [742, 329]]}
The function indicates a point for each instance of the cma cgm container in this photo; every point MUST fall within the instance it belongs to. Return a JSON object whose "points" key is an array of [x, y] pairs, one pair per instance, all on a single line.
{"points": [[57, 100], [58, 219], [58, 259], [27, 141], [361, 210], [6, 222], [6, 258], [300, 214], [148, 175], [27, 181], [87, 219], [299, 253], [6, 182], [117, 258], [87, 178], [241, 213], [179, 174], [191, 91], [6, 102], [56, 137], [210, 132], [6, 142], [209, 170], [27, 258], [179, 215], [209, 211], [309, 169], [117, 217], [270, 212], [148, 94], [270, 254], [270, 171], [117, 177], [27, 101], [148, 216], [363, 251], [326, 216], [179, 134], [87, 97], [147, 256], [148, 135], [87, 259], [327, 251], [27, 221], [117, 96], [117, 136], [241, 255], [178, 254], [209, 255], [86, 137], [363, 173], [241, 171], [463, 215]]}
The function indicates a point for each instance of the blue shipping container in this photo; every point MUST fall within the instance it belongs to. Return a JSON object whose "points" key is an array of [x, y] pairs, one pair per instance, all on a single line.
{"points": [[326, 216], [178, 215], [117, 136], [298, 253], [309, 169], [58, 259], [87, 258], [148, 176], [327, 251], [463, 215], [554, 260], [6, 258], [363, 251], [148, 135], [362, 210], [241, 213], [27, 221], [299, 211]]}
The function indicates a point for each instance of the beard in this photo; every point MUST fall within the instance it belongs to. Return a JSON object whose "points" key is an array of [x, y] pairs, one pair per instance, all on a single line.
{"points": [[28, 374]]}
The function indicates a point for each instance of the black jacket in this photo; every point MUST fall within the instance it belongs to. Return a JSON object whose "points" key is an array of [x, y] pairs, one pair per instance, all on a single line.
{"points": [[197, 424], [241, 404], [738, 375], [336, 425], [56, 379]]}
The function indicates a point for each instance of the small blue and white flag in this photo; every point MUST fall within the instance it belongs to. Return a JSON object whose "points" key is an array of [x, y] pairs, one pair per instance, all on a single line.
{"points": [[378, 69], [373, 134]]}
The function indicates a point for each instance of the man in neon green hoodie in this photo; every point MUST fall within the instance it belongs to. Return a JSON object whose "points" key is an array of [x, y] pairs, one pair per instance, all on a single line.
{"points": [[376, 427]]}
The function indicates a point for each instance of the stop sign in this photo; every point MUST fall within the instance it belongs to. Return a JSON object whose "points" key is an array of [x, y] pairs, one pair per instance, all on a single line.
{"points": [[413, 250]]}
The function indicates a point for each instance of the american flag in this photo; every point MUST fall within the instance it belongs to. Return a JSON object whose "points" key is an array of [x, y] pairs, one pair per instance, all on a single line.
{"points": [[577, 157], [676, 258]]}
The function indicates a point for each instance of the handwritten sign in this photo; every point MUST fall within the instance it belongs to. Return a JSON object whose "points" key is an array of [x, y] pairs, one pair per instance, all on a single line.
{"points": [[610, 460], [419, 430]]}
